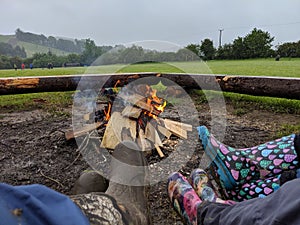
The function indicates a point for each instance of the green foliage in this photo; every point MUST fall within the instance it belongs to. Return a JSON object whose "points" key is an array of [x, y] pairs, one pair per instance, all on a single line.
{"points": [[257, 44], [207, 49], [61, 44], [245, 103], [288, 129], [225, 52], [194, 48], [289, 49], [92, 52], [252, 67], [278, 105], [51, 102], [8, 50]]}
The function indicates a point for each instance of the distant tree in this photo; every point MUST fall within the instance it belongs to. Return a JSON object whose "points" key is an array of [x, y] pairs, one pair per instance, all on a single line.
{"points": [[194, 48], [239, 49], [8, 50], [132, 54], [207, 49], [92, 52], [52, 42], [79, 45], [289, 49], [20, 51], [225, 52], [73, 58], [5, 62], [258, 44], [89, 54], [185, 54]]}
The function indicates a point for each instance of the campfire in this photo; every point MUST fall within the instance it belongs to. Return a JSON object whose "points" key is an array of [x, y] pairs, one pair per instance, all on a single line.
{"points": [[136, 108]]}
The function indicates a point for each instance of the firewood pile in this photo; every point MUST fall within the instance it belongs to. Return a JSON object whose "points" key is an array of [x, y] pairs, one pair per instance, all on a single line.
{"points": [[136, 108]]}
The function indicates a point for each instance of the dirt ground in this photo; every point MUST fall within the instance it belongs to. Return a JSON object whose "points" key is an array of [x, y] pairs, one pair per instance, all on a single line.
{"points": [[33, 149]]}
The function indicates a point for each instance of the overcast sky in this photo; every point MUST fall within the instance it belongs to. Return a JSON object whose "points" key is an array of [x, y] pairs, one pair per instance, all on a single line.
{"points": [[111, 22]]}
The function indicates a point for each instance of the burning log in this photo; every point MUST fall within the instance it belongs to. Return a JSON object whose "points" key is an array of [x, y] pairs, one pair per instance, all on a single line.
{"points": [[132, 112], [164, 131], [139, 101]]}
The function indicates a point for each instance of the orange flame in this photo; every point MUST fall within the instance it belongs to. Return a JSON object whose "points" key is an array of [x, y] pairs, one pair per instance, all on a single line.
{"points": [[107, 112], [115, 89], [154, 102]]}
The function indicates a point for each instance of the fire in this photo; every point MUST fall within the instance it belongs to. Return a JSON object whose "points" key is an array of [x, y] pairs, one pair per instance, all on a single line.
{"points": [[155, 105], [107, 112], [154, 102], [115, 89]]}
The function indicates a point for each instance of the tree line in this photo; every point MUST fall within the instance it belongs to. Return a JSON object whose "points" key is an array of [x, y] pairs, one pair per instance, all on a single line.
{"points": [[76, 46], [9, 50], [256, 44]]}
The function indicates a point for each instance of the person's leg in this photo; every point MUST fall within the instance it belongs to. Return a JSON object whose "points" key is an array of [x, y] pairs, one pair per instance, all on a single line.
{"points": [[183, 198], [238, 166], [101, 208], [281, 207], [128, 180], [125, 200], [203, 187], [255, 189], [90, 181]]}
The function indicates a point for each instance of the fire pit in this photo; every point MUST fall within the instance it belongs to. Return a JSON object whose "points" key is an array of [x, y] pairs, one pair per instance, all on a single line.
{"points": [[138, 108]]}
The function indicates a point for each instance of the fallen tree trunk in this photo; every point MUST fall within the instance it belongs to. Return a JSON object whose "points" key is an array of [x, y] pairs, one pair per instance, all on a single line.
{"points": [[283, 87]]}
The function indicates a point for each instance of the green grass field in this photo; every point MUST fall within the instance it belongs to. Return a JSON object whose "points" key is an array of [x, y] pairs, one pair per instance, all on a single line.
{"points": [[54, 102], [255, 67]]}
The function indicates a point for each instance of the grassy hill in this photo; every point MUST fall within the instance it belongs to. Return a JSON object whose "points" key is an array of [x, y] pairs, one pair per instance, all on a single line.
{"points": [[29, 47]]}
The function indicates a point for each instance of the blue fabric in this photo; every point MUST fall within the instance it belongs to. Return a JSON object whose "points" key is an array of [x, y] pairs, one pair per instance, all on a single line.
{"points": [[298, 173], [37, 205]]}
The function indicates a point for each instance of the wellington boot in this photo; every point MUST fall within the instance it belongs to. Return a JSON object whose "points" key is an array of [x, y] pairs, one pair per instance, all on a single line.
{"points": [[128, 181]]}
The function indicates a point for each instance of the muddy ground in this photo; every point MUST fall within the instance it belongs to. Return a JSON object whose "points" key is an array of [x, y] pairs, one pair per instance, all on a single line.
{"points": [[33, 149]]}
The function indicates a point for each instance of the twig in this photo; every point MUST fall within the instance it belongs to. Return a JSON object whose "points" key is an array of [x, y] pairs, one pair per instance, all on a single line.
{"points": [[77, 157], [56, 181], [83, 145]]}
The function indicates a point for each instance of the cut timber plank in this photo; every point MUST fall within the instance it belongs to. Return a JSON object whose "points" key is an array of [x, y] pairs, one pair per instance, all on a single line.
{"points": [[184, 126], [159, 151], [73, 134], [132, 112], [112, 136], [164, 131], [140, 101], [144, 144], [87, 116], [152, 135], [176, 130]]}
